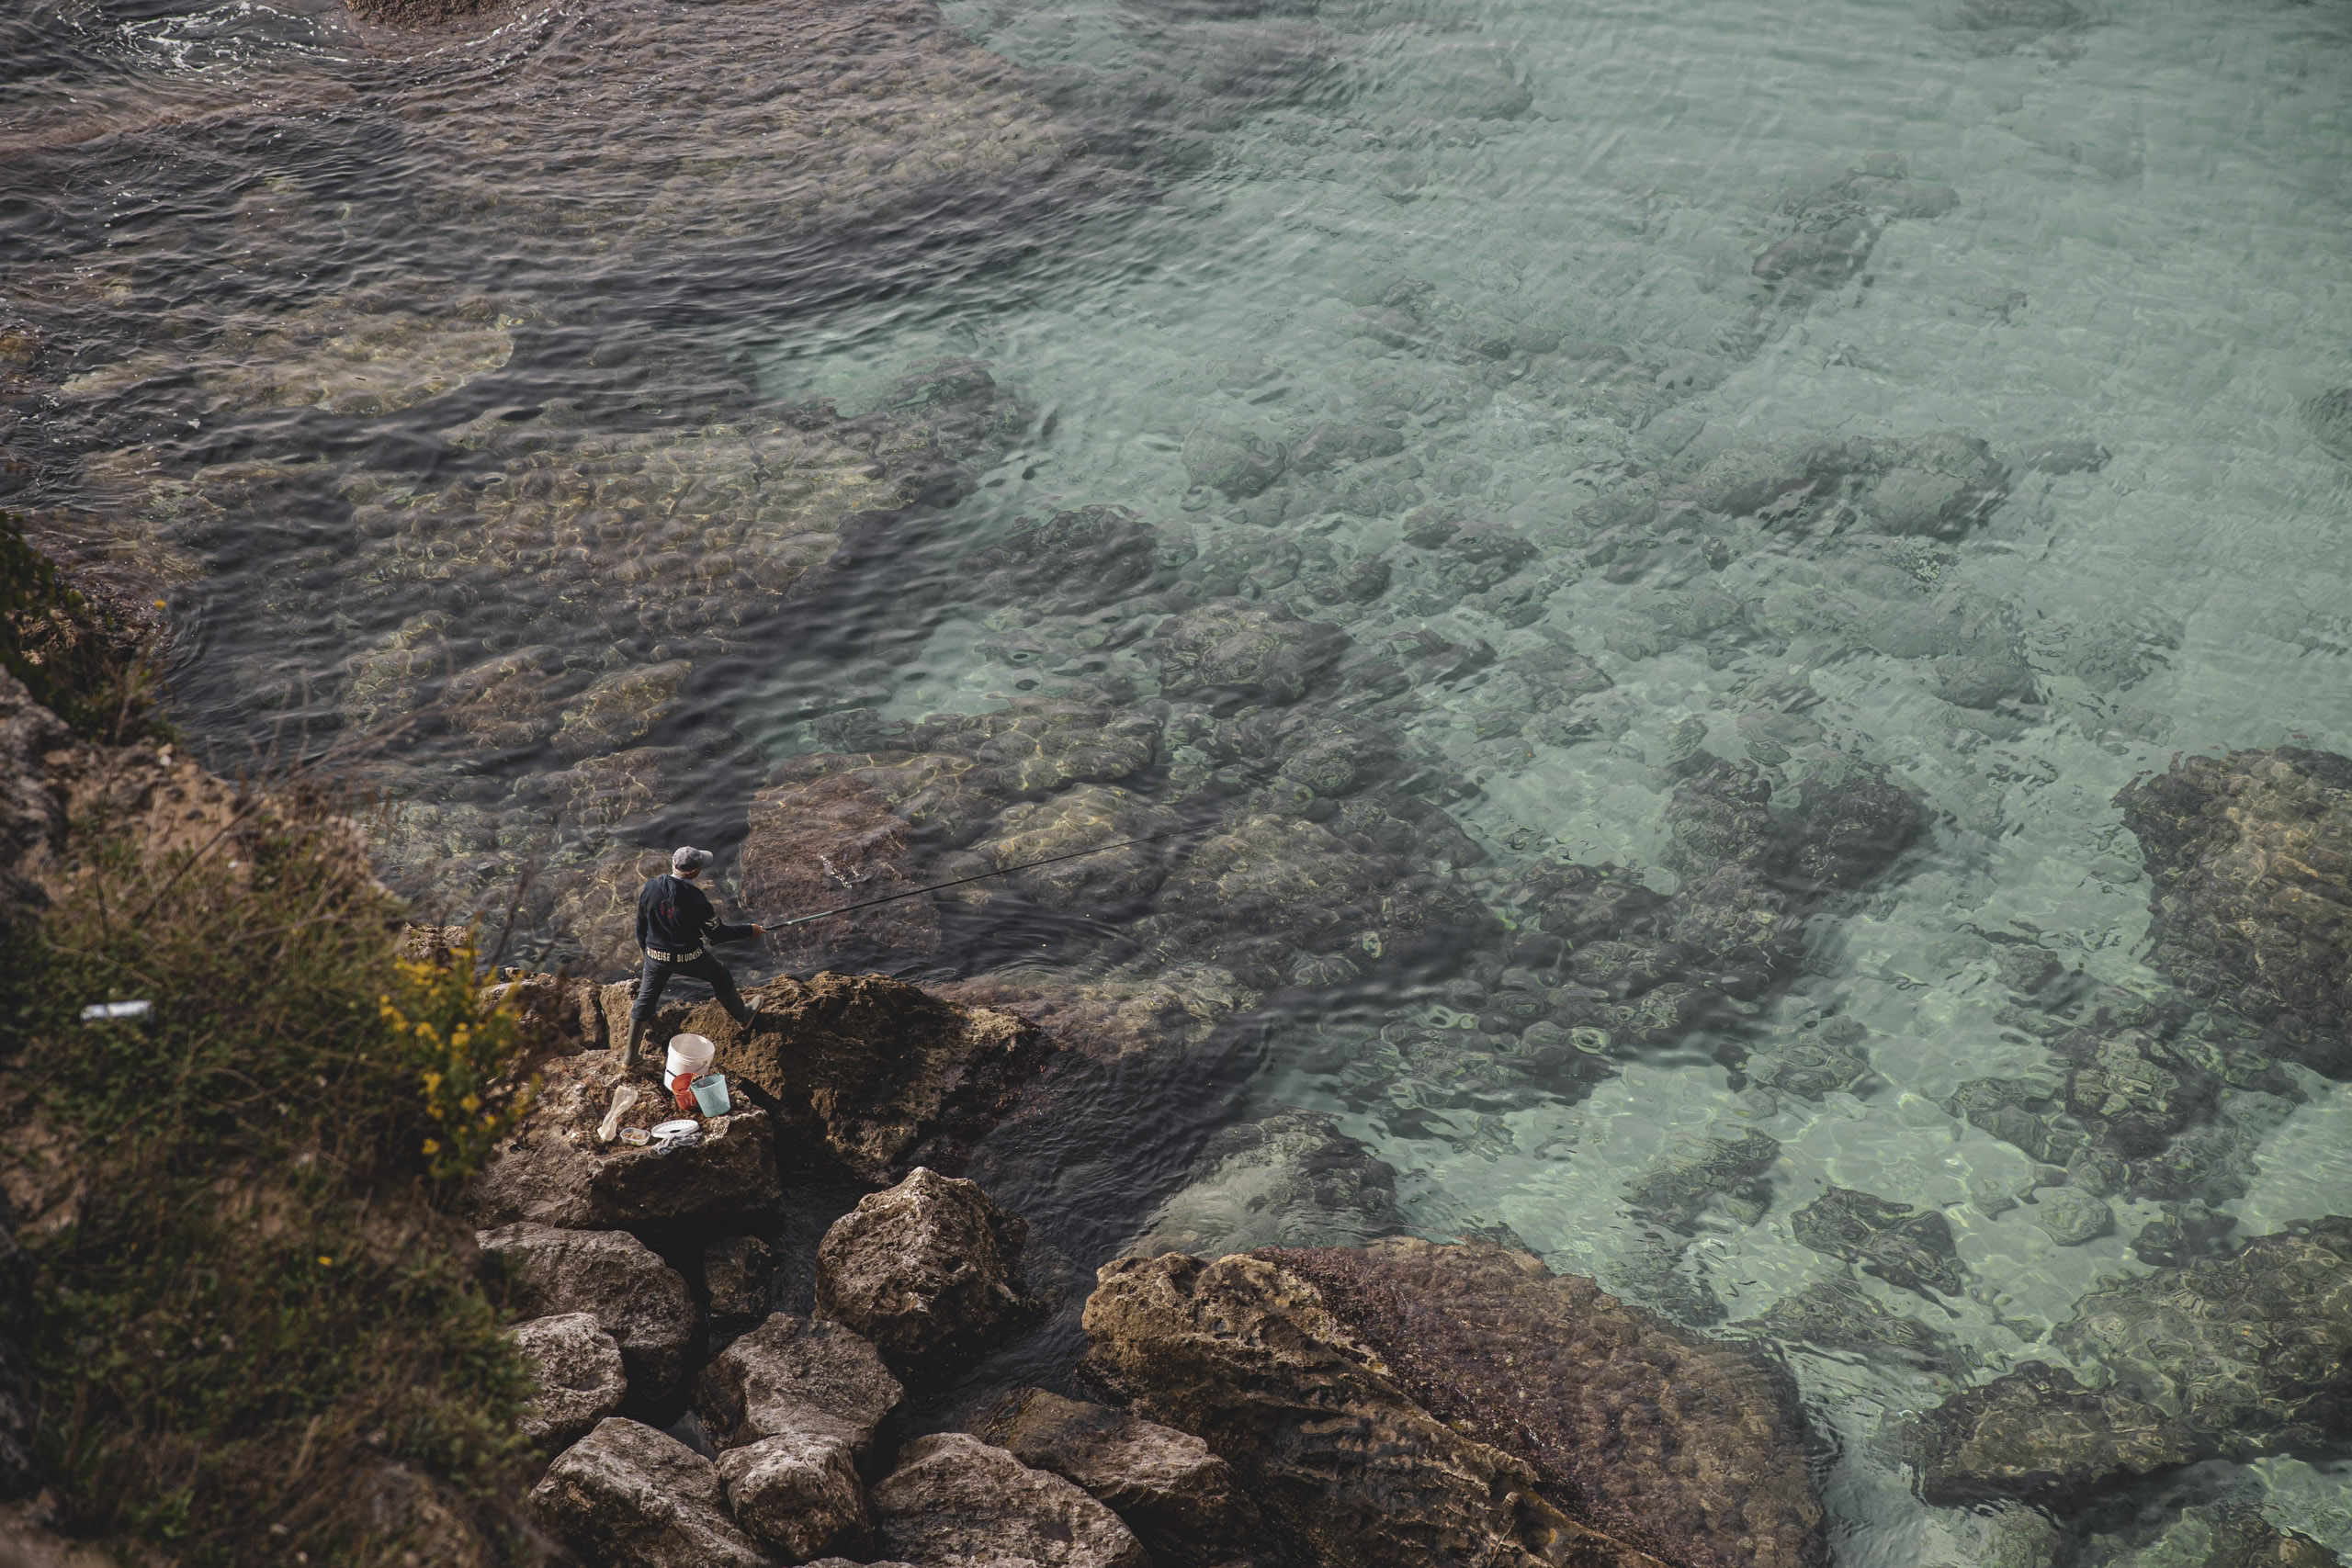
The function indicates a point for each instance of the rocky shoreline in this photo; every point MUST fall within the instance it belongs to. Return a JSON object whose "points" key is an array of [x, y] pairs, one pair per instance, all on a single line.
{"points": [[1387, 1399], [711, 1390], [1280, 1407]]}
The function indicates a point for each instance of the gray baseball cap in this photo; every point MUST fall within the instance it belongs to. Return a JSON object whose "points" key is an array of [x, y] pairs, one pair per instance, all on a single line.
{"points": [[685, 860]]}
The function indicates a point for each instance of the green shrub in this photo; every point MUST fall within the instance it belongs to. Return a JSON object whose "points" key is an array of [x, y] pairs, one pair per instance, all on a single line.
{"points": [[462, 1051], [265, 1322]]}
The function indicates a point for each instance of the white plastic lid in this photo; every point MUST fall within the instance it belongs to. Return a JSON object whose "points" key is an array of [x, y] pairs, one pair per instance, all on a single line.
{"points": [[689, 1053]]}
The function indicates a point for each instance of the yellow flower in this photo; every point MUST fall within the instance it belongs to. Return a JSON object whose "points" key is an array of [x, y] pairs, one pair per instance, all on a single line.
{"points": [[325, 1262], [433, 1146], [470, 1104]]}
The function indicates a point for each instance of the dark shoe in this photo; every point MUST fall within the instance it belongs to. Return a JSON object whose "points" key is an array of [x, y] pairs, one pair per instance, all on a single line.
{"points": [[630, 1053]]}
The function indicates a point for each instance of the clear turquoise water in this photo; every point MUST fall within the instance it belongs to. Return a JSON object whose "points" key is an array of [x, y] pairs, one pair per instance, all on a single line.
{"points": [[2147, 251]]}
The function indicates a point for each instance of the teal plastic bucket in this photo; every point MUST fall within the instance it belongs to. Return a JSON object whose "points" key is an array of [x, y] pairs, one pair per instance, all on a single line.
{"points": [[710, 1094]]}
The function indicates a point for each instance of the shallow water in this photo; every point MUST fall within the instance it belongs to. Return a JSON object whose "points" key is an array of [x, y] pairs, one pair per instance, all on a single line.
{"points": [[2108, 229]]}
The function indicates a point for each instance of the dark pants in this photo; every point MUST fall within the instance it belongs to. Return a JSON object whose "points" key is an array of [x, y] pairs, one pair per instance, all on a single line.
{"points": [[708, 970]]}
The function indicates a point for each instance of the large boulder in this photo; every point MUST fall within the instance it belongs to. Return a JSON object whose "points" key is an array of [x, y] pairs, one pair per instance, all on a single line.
{"points": [[555, 1172], [1183, 1502], [878, 1074], [926, 1270], [954, 1502], [1413, 1402], [793, 1375], [2036, 1435], [628, 1496], [579, 1372], [638, 1299], [2249, 863], [798, 1491]]}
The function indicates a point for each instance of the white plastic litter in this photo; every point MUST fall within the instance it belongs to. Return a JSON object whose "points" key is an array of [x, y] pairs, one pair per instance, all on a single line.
{"points": [[665, 1131], [624, 1095], [97, 1011]]}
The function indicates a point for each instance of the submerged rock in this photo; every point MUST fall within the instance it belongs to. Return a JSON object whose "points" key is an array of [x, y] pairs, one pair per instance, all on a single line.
{"points": [[2070, 1217], [2250, 859], [1902, 1245], [2252, 1352], [2214, 1535], [1703, 1174], [1289, 1180], [1182, 1502], [2329, 419], [926, 1272], [2036, 1435], [374, 350], [1236, 650], [1813, 1065], [638, 1299], [2135, 1100], [1940, 486], [1233, 460], [1076, 560], [579, 1371], [797, 146], [836, 829], [631, 1496], [1171, 1011], [1277, 899], [1408, 1402], [1836, 1314], [955, 1502]]}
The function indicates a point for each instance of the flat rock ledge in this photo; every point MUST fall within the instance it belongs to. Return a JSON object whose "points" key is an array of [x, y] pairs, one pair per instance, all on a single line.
{"points": [[555, 1171]]}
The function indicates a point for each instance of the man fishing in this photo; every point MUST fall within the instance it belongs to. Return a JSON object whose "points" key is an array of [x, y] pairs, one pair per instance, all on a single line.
{"points": [[674, 925]]}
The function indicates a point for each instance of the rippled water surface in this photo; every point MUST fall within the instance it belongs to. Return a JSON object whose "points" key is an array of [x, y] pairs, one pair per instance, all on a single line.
{"points": [[468, 404]]}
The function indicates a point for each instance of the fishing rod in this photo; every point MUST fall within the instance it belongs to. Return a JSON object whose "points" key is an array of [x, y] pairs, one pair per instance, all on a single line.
{"points": [[983, 876]]}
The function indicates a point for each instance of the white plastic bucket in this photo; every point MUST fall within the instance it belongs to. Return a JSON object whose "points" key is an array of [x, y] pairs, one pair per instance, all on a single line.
{"points": [[689, 1053]]}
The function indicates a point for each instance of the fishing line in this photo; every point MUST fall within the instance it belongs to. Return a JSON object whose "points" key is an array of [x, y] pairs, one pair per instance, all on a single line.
{"points": [[983, 876]]}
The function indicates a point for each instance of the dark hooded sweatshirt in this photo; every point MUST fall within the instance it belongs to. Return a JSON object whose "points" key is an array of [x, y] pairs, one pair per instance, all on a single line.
{"points": [[674, 918]]}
